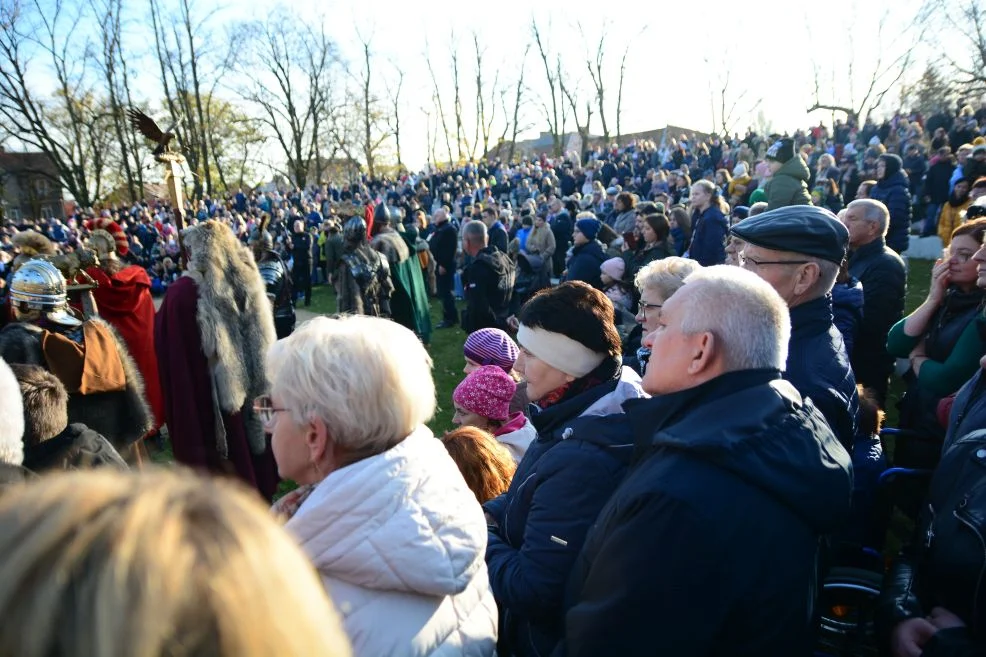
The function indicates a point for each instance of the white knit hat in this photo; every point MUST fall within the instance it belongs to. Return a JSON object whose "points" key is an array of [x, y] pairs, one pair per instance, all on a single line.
{"points": [[11, 418]]}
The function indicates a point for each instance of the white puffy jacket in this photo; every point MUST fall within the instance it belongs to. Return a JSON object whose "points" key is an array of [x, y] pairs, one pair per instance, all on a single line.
{"points": [[400, 540]]}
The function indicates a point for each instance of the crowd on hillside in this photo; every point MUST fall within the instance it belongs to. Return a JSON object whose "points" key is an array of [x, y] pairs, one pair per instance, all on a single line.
{"points": [[676, 356]]}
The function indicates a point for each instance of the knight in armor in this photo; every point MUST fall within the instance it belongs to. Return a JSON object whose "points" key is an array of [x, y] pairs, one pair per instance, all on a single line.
{"points": [[105, 388], [362, 275], [409, 303], [280, 290], [211, 335]]}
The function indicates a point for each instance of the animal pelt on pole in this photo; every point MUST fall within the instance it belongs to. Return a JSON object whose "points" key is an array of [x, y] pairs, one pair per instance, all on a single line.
{"points": [[235, 320], [31, 244]]}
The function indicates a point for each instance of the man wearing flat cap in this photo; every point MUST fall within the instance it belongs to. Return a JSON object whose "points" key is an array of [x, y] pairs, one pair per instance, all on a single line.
{"points": [[798, 250]]}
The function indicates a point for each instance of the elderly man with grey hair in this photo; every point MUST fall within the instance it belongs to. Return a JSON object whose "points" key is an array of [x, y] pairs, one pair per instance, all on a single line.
{"points": [[884, 279], [798, 249], [488, 281], [710, 545]]}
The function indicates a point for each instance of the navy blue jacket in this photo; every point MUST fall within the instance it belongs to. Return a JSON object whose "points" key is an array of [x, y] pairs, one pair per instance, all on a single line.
{"points": [[847, 310], [884, 279], [709, 546], [563, 481], [584, 264], [818, 366], [893, 192], [709, 230], [968, 410]]}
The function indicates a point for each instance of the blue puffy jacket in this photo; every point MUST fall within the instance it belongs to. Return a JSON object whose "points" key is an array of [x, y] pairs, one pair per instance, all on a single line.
{"points": [[585, 262], [563, 481], [893, 191], [709, 230], [847, 310]]}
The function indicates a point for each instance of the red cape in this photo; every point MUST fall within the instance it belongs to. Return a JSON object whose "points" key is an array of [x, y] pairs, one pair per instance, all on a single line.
{"points": [[124, 300]]}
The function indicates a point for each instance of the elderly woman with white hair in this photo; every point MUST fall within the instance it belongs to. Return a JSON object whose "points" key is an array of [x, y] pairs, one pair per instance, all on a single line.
{"points": [[656, 282], [382, 510]]}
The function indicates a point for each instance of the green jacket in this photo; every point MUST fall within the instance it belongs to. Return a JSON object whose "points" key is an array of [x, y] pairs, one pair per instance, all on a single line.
{"points": [[789, 186]]}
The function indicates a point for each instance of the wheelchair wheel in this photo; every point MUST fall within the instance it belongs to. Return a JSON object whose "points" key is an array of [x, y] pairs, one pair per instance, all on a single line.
{"points": [[847, 607]]}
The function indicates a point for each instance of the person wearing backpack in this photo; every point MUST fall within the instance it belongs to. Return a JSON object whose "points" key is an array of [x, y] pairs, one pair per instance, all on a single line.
{"points": [[488, 281]]}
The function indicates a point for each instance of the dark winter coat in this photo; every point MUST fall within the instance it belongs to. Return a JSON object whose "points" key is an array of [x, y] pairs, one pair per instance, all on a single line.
{"points": [[789, 186], [884, 279], [498, 238], [818, 366], [710, 545], [562, 228], [584, 264], [488, 283], [944, 565], [443, 244], [847, 310], [893, 192], [563, 481], [936, 185], [76, 448], [709, 230]]}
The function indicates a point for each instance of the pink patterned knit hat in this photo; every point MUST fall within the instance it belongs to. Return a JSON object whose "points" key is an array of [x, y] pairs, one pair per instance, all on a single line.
{"points": [[487, 392]]}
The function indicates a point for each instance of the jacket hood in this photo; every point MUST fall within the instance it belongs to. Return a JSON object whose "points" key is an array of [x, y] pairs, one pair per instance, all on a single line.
{"points": [[403, 520], [498, 265], [592, 249], [756, 426], [893, 180], [796, 168]]}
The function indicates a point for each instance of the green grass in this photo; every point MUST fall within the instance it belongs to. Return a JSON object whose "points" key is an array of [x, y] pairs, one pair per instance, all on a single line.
{"points": [[445, 350]]}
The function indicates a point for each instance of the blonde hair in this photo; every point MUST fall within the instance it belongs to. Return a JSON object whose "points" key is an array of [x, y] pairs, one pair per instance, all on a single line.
{"points": [[154, 564], [665, 276], [367, 378]]}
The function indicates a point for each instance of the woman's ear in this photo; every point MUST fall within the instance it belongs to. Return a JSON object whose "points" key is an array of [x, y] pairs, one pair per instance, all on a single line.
{"points": [[317, 439]]}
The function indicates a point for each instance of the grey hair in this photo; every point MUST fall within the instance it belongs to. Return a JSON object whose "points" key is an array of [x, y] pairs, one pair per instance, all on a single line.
{"points": [[874, 212], [745, 313], [367, 378], [665, 276], [475, 232], [828, 271]]}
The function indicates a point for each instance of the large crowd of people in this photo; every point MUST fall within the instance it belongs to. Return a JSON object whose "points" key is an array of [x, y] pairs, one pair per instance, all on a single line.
{"points": [[677, 356]]}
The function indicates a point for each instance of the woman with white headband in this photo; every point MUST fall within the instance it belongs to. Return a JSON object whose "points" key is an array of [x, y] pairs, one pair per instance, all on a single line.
{"points": [[570, 357]]}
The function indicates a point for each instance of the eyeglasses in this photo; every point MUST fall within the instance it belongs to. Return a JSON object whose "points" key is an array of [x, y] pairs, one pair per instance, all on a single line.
{"points": [[744, 259], [644, 307], [264, 407]]}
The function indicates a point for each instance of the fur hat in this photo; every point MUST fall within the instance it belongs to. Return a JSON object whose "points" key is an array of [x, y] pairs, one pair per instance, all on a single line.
{"points": [[739, 170], [614, 268], [487, 392], [782, 150], [45, 403], [491, 346], [11, 418]]}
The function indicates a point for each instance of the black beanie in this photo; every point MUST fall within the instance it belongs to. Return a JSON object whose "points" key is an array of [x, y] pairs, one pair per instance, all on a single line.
{"points": [[892, 164], [782, 150]]}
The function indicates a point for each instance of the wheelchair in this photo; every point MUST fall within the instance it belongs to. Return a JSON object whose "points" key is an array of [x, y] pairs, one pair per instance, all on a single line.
{"points": [[846, 606]]}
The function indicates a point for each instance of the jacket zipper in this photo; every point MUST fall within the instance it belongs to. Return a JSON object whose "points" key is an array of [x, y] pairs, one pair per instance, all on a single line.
{"points": [[929, 536], [982, 542]]}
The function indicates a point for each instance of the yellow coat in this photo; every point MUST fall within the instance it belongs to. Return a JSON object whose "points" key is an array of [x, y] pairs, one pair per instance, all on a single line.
{"points": [[950, 219]]}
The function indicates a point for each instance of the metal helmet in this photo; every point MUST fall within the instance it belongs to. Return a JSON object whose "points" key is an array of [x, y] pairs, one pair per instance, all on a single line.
{"points": [[261, 237], [383, 214], [38, 285], [354, 230]]}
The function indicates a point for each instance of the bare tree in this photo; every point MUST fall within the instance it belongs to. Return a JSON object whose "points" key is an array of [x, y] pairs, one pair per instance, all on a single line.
{"points": [[437, 99], [461, 142], [71, 128], [880, 78], [619, 93], [594, 64], [485, 105], [395, 117], [572, 96], [518, 96], [960, 25], [372, 117], [289, 73], [555, 113]]}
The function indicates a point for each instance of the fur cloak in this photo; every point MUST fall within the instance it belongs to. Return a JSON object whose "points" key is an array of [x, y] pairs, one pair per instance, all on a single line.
{"points": [[235, 320], [123, 417]]}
